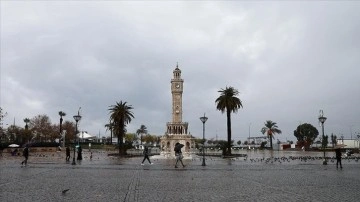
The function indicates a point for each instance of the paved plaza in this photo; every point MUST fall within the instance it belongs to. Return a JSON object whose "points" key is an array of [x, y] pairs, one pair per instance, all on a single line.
{"points": [[259, 177]]}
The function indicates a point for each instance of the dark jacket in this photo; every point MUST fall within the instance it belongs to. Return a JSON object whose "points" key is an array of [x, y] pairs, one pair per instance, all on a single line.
{"points": [[26, 152], [338, 153], [146, 151]]}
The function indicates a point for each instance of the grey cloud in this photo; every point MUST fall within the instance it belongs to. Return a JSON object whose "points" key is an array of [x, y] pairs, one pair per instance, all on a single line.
{"points": [[287, 59]]}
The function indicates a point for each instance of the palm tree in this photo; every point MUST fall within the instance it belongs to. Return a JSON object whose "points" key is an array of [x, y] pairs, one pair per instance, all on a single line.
{"points": [[120, 116], [61, 114], [110, 126], [228, 102], [142, 130], [26, 120], [270, 129]]}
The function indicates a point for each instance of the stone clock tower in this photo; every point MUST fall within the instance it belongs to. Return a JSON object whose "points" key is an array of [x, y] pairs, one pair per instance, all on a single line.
{"points": [[177, 130]]}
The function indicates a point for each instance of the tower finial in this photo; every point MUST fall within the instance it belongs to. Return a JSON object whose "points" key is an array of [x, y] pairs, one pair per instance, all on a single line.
{"points": [[177, 64]]}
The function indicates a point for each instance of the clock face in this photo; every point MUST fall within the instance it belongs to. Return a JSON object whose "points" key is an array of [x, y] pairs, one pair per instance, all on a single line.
{"points": [[177, 86]]}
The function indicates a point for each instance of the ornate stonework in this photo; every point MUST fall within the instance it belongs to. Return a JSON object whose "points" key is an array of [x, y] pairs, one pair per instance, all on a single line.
{"points": [[177, 130]]}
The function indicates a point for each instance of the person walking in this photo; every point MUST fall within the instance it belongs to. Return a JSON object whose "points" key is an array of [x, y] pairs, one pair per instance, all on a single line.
{"points": [[67, 153], [178, 154], [338, 157], [146, 155], [26, 155]]}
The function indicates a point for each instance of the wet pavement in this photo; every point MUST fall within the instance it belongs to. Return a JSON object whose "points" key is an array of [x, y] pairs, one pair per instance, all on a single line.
{"points": [[285, 176]]}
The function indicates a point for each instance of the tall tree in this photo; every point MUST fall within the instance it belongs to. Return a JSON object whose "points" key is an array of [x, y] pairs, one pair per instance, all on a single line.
{"points": [[26, 133], [141, 131], [131, 138], [110, 127], [306, 134], [270, 129], [333, 139], [228, 102], [61, 114], [120, 116], [2, 131], [41, 126], [14, 134], [69, 130]]}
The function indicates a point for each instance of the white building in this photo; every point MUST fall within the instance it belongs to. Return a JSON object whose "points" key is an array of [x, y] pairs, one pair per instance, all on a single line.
{"points": [[349, 143]]}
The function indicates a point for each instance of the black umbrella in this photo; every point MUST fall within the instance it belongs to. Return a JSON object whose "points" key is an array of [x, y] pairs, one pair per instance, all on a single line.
{"points": [[178, 146]]}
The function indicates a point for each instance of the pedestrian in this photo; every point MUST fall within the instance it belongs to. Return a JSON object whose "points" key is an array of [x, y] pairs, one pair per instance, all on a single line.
{"points": [[67, 153], [79, 157], [26, 155], [146, 155], [338, 157], [178, 154]]}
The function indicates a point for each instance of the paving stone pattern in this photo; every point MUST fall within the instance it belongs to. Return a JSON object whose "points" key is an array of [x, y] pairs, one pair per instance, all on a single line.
{"points": [[111, 179]]}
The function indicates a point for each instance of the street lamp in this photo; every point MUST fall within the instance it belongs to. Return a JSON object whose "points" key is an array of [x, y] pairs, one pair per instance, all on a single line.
{"points": [[322, 120], [203, 120], [77, 119]]}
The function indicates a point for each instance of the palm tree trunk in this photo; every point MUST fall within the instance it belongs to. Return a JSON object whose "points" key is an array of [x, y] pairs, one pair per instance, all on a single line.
{"points": [[61, 120], [271, 146], [120, 139], [228, 115]]}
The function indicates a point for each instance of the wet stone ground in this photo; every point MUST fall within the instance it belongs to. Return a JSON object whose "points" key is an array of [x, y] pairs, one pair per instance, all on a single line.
{"points": [[260, 177]]}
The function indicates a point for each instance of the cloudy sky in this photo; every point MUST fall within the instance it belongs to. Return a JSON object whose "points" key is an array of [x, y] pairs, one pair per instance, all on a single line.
{"points": [[287, 59]]}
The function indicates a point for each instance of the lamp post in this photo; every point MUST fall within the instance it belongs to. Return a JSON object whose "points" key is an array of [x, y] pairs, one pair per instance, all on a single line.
{"points": [[322, 120], [203, 120], [77, 119]]}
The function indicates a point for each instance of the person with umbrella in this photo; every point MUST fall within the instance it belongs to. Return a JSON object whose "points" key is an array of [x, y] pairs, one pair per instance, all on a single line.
{"points": [[26, 155], [338, 157], [178, 154]]}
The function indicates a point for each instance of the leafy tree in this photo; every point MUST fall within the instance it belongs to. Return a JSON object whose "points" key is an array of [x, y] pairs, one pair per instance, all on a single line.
{"points": [[158, 138], [14, 134], [2, 131], [41, 127], [151, 139], [228, 102], [246, 142], [270, 129], [239, 142], [131, 138], [306, 134], [333, 139], [198, 141], [120, 116], [69, 129], [148, 139], [262, 146], [142, 131]]}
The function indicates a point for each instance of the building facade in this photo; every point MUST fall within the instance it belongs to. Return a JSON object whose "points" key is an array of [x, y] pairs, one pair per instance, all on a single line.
{"points": [[177, 130]]}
